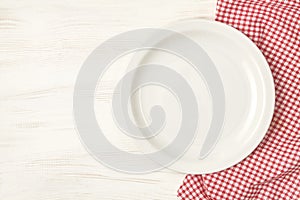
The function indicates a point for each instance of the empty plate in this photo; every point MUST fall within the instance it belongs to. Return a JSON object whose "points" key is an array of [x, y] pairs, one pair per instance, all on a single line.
{"points": [[249, 96]]}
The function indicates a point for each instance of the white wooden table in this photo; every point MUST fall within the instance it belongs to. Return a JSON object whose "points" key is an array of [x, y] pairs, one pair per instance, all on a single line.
{"points": [[42, 46]]}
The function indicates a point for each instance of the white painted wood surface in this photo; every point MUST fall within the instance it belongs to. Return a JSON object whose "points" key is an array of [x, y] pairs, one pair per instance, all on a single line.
{"points": [[42, 46]]}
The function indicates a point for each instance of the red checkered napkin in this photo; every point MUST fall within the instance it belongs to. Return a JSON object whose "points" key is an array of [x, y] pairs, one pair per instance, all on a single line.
{"points": [[272, 171]]}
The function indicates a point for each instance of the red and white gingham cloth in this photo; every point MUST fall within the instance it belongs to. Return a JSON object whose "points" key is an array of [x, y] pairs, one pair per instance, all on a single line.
{"points": [[272, 171]]}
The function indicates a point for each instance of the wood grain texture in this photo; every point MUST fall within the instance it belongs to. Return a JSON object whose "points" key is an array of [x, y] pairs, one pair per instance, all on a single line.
{"points": [[43, 44]]}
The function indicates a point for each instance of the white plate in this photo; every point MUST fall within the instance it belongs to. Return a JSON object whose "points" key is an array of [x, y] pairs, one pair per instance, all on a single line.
{"points": [[249, 94]]}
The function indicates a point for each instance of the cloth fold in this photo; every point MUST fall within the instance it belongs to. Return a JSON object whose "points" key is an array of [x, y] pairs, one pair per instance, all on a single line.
{"points": [[272, 171]]}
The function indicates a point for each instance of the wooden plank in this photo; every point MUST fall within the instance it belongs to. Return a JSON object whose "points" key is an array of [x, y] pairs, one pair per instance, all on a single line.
{"points": [[43, 44]]}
